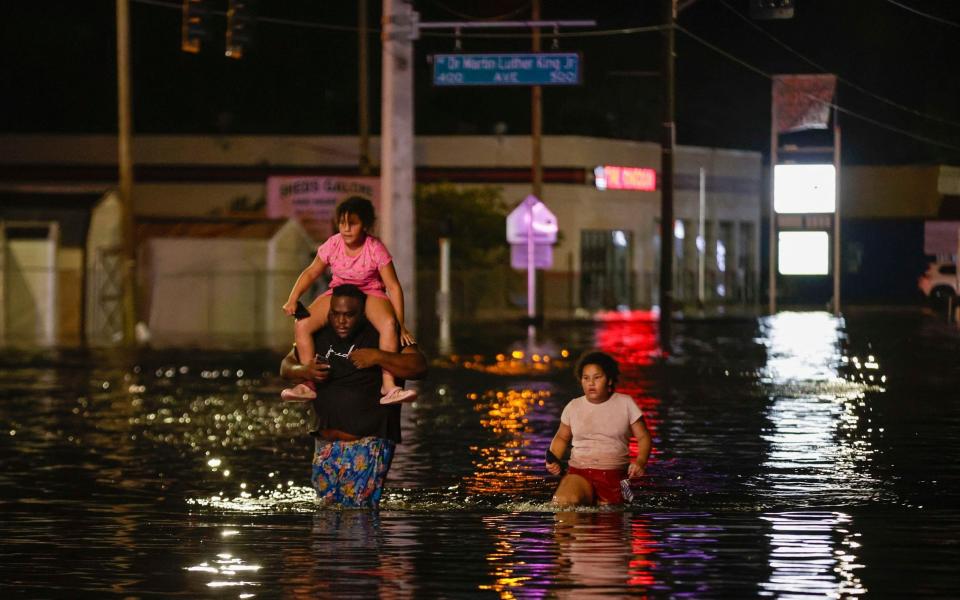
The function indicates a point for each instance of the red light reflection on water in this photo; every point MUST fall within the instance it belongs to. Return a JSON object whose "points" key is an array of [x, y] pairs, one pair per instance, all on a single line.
{"points": [[631, 338], [642, 545]]}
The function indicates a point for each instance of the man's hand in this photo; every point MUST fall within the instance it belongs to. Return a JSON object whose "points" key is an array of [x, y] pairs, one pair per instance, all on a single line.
{"points": [[635, 470], [317, 370], [363, 358]]}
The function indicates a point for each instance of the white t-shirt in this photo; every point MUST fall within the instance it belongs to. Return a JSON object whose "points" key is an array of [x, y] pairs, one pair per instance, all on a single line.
{"points": [[601, 432]]}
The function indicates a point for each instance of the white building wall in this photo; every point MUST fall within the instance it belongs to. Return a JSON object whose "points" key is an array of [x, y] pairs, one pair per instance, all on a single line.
{"points": [[734, 187], [102, 283]]}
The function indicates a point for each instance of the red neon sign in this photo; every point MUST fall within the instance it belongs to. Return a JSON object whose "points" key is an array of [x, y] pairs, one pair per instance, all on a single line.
{"points": [[609, 177]]}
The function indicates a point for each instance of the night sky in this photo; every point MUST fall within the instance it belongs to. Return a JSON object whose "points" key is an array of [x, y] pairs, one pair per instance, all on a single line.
{"points": [[59, 72]]}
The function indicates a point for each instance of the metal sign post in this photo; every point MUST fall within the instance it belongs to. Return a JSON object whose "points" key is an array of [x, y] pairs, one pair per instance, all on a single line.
{"points": [[531, 231]]}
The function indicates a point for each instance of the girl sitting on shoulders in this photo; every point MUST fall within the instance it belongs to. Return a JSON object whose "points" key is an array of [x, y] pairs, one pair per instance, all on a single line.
{"points": [[354, 256]]}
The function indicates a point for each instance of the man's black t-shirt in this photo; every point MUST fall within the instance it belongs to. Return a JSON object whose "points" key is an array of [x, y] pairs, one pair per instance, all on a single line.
{"points": [[350, 399]]}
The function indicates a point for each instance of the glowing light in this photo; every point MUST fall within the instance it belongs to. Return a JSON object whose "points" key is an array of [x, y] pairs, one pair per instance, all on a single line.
{"points": [[214, 462], [804, 188], [803, 253], [609, 177], [678, 230], [619, 238]]}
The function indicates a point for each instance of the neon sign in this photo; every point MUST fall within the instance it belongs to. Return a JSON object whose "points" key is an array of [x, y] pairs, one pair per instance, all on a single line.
{"points": [[609, 177]]}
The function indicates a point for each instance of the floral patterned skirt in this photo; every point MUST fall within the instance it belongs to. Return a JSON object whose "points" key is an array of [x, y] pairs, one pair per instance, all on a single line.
{"points": [[351, 474]]}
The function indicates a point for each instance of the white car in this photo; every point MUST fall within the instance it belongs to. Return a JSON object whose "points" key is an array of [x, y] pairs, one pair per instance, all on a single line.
{"points": [[940, 281]]}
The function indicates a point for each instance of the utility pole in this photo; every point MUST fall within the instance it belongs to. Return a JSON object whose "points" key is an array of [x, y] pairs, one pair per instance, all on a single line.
{"points": [[398, 225], [363, 87], [401, 25], [125, 167], [836, 214], [536, 115], [666, 179]]}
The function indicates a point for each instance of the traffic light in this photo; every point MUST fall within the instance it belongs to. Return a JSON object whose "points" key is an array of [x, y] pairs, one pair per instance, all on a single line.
{"points": [[193, 29], [240, 27], [771, 9]]}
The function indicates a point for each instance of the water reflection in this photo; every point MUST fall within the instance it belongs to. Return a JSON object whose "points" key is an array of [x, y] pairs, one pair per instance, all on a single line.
{"points": [[535, 360], [785, 462], [813, 554], [802, 346], [596, 555], [227, 570], [355, 553], [582, 554], [520, 563], [631, 338], [502, 467], [819, 449]]}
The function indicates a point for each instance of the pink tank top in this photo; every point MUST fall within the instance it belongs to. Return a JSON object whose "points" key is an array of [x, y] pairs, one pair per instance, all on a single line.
{"points": [[362, 270]]}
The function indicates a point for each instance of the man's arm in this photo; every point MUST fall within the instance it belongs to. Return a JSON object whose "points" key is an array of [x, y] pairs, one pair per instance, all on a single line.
{"points": [[409, 363], [290, 368]]}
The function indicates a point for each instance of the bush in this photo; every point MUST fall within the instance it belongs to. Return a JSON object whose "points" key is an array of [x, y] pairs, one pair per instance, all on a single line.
{"points": [[474, 218]]}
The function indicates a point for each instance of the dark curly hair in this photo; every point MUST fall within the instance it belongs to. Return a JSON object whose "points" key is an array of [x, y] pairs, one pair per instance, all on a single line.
{"points": [[360, 206], [350, 291], [603, 360]]}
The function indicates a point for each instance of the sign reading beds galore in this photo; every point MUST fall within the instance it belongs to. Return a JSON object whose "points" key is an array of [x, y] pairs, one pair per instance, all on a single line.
{"points": [[313, 200], [528, 68]]}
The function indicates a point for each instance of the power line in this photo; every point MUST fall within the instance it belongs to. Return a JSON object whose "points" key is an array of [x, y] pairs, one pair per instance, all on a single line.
{"points": [[923, 14], [372, 31], [842, 80], [555, 34], [273, 20], [460, 15], [833, 105]]}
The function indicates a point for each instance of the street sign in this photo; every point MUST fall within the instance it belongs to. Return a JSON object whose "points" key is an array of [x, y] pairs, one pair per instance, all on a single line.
{"points": [[531, 231], [514, 69], [542, 256], [544, 225]]}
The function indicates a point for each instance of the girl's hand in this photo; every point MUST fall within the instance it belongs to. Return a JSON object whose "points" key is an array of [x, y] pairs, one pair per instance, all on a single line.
{"points": [[406, 338], [553, 468], [635, 470], [290, 307]]}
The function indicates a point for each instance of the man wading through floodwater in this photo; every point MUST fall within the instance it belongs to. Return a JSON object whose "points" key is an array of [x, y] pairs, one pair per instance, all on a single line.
{"points": [[355, 435]]}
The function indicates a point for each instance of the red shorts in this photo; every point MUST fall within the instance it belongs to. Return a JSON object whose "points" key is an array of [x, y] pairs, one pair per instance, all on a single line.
{"points": [[605, 483]]}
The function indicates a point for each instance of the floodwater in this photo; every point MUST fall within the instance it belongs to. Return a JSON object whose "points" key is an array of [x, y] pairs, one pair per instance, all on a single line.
{"points": [[796, 456]]}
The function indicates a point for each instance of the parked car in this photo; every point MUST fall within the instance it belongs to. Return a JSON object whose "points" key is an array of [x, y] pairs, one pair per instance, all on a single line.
{"points": [[939, 283]]}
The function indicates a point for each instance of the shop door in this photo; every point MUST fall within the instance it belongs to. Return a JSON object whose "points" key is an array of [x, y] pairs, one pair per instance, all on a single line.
{"points": [[606, 269]]}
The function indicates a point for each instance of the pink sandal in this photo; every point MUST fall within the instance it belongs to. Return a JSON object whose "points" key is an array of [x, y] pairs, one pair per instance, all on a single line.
{"points": [[299, 393], [397, 395]]}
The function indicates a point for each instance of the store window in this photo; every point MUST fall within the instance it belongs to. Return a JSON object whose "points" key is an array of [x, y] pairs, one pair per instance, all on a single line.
{"points": [[606, 268]]}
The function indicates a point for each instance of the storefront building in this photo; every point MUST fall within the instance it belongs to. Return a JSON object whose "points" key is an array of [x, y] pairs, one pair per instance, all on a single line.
{"points": [[608, 250]]}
